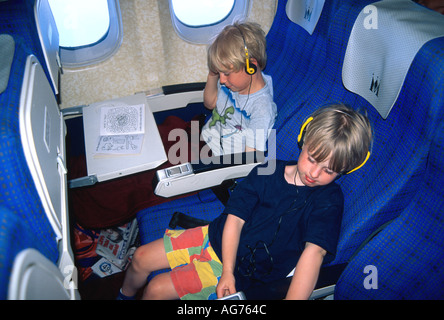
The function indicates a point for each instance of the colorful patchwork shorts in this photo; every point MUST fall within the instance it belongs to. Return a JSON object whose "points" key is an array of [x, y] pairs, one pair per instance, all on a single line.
{"points": [[196, 269]]}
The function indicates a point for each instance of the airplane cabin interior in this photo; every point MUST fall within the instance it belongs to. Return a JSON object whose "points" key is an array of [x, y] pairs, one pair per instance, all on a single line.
{"points": [[383, 57]]}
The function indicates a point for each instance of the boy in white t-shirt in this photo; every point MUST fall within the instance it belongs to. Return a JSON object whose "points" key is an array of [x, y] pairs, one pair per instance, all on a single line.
{"points": [[238, 92]]}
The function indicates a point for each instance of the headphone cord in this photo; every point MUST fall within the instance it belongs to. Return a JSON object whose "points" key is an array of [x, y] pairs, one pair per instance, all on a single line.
{"points": [[251, 256], [241, 112]]}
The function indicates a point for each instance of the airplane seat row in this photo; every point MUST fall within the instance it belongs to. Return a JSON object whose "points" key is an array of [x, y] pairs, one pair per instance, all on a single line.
{"points": [[18, 195], [35, 241], [281, 47], [286, 42], [290, 117], [384, 57], [404, 123]]}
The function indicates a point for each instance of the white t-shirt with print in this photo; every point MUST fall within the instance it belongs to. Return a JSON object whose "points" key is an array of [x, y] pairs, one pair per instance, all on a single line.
{"points": [[241, 120]]}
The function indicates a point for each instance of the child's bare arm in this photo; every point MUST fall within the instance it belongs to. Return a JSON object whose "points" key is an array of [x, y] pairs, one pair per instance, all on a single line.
{"points": [[230, 243], [306, 272], [210, 92]]}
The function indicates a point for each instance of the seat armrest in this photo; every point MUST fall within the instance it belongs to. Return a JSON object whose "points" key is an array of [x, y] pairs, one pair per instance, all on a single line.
{"points": [[208, 172], [175, 96]]}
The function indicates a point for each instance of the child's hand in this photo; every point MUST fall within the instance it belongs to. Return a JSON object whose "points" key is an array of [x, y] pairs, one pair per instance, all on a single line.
{"points": [[213, 74], [226, 285]]}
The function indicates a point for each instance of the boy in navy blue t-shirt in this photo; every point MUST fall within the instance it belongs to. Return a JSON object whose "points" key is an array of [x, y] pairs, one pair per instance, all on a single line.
{"points": [[271, 225]]}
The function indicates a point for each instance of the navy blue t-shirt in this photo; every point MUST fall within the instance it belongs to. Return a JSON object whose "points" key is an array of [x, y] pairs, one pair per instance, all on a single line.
{"points": [[279, 219]]}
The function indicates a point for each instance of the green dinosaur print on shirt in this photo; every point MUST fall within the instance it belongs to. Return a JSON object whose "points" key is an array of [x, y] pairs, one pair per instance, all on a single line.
{"points": [[223, 119]]}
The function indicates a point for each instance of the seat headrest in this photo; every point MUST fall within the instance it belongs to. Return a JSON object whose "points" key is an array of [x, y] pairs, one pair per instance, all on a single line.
{"points": [[305, 13], [384, 40], [49, 40], [7, 48]]}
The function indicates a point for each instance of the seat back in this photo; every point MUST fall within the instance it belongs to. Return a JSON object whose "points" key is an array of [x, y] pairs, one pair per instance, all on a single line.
{"points": [[296, 57], [32, 170], [19, 196], [405, 260], [384, 187], [301, 100]]}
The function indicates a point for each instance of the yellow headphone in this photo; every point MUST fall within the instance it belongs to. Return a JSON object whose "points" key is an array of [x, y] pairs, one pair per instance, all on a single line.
{"points": [[301, 142], [248, 69]]}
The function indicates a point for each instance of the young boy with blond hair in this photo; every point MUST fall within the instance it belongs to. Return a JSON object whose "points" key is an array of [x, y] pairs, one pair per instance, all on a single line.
{"points": [[271, 224], [238, 92]]}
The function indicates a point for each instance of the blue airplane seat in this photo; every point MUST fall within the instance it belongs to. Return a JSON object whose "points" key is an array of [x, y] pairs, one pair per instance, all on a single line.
{"points": [[23, 223], [299, 99], [405, 260], [295, 55], [16, 235], [18, 193], [386, 185]]}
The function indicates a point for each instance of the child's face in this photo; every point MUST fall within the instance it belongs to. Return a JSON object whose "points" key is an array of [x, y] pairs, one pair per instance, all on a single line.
{"points": [[237, 81], [312, 173]]}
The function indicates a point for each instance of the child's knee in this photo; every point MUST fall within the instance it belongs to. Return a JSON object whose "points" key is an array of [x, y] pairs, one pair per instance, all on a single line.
{"points": [[139, 257], [159, 288]]}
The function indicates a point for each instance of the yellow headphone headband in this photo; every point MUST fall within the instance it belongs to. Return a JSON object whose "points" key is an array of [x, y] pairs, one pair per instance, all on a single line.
{"points": [[303, 128], [248, 69], [366, 158], [301, 133]]}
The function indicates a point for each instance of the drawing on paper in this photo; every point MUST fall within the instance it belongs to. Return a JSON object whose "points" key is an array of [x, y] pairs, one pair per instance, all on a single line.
{"points": [[122, 128]]}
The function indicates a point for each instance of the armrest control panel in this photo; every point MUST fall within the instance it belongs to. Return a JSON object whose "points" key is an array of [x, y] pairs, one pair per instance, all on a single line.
{"points": [[187, 177]]}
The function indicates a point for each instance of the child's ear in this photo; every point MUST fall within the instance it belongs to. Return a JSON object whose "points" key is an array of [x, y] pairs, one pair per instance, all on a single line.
{"points": [[254, 61]]}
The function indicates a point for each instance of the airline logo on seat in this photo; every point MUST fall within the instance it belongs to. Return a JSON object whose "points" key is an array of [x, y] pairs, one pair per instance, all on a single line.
{"points": [[308, 12], [375, 84]]}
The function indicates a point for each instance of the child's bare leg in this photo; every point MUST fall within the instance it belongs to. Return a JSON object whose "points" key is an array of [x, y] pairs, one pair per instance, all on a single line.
{"points": [[160, 288], [146, 259]]}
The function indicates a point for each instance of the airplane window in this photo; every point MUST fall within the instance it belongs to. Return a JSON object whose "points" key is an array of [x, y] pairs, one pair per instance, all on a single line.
{"points": [[80, 22], [89, 31], [198, 21], [201, 12]]}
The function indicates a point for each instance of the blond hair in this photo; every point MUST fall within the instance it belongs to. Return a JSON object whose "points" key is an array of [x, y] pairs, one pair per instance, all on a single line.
{"points": [[342, 133], [227, 52]]}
